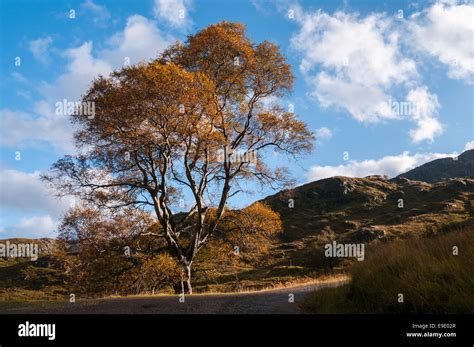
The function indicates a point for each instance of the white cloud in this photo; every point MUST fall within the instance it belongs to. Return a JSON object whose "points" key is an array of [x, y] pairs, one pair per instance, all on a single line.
{"points": [[39, 48], [359, 58], [82, 68], [100, 14], [355, 63], [389, 165], [25, 193], [32, 227], [173, 12], [139, 41], [42, 222], [323, 133], [425, 116], [364, 103], [41, 226], [469, 145], [21, 129], [446, 31], [36, 226]]}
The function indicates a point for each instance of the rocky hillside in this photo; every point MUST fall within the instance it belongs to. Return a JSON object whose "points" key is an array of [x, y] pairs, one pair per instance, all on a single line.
{"points": [[445, 168], [370, 209]]}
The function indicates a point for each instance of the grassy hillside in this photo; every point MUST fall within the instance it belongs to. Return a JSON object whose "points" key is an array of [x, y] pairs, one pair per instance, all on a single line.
{"points": [[22, 279], [365, 210], [425, 271]]}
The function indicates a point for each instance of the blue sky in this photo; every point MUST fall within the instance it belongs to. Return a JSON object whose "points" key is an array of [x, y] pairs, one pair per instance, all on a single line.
{"points": [[355, 63]]}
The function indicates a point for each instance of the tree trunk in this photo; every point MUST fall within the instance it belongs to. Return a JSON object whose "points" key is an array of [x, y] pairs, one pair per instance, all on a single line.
{"points": [[185, 287]]}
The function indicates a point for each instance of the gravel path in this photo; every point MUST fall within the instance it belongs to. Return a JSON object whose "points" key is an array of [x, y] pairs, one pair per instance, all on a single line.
{"points": [[263, 302]]}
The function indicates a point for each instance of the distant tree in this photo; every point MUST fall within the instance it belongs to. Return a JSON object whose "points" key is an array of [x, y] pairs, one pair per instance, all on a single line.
{"points": [[193, 120]]}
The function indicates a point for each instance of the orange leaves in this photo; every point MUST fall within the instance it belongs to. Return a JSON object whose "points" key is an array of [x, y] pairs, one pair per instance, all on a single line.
{"points": [[223, 52], [168, 99], [204, 95], [260, 218], [272, 75], [252, 229], [160, 128]]}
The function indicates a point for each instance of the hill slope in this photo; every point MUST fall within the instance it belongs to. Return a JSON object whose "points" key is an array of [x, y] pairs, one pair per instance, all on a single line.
{"points": [[370, 209], [445, 168]]}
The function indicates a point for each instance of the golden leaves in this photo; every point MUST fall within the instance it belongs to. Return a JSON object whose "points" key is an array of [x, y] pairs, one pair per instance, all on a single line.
{"points": [[159, 127]]}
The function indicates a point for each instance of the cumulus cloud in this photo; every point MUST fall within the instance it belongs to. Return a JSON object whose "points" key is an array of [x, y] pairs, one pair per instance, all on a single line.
{"points": [[139, 41], [25, 198], [445, 31], [35, 227], [40, 226], [40, 49], [391, 166], [323, 133], [426, 110], [359, 58], [81, 69], [173, 12], [25, 193], [21, 129], [356, 64]]}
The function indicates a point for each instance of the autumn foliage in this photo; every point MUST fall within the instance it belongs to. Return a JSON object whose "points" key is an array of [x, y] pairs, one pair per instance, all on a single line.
{"points": [[118, 254], [166, 130]]}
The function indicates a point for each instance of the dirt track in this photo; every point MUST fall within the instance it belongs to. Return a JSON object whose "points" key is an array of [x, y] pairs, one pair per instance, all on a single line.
{"points": [[263, 302]]}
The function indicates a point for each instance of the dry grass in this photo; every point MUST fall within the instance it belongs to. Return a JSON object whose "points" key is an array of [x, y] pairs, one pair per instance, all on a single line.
{"points": [[425, 271]]}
